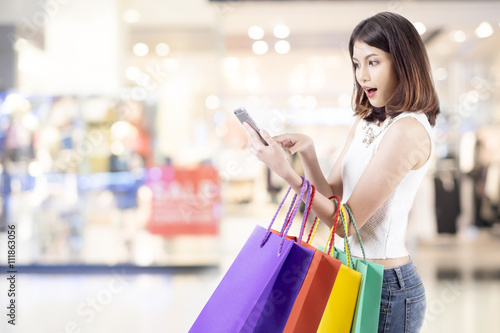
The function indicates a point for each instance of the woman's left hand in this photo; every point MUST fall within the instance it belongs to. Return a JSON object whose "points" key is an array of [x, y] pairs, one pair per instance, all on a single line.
{"points": [[272, 155]]}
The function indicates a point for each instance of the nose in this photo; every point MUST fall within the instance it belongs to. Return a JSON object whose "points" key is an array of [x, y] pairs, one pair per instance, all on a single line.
{"points": [[363, 74]]}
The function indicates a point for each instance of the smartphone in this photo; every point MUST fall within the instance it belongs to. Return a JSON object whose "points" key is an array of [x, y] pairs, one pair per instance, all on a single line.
{"points": [[243, 117]]}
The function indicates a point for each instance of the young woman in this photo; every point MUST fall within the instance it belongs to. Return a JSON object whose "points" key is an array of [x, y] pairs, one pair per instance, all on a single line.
{"points": [[382, 164]]}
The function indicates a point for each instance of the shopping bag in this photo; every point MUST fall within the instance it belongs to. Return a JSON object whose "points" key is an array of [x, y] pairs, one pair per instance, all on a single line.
{"points": [[367, 311], [257, 289], [277, 308], [339, 312], [315, 291]]}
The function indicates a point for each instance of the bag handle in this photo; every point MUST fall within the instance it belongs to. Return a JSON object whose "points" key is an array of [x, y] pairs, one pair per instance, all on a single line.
{"points": [[329, 248], [331, 238], [340, 212], [289, 222], [266, 236], [346, 241], [312, 232], [289, 217], [355, 228], [309, 202], [292, 206], [316, 221]]}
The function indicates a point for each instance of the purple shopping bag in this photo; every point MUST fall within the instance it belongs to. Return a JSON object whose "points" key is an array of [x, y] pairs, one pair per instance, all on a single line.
{"points": [[258, 290]]}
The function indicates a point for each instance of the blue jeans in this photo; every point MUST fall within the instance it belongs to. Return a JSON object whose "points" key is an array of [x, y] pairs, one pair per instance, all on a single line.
{"points": [[402, 308]]}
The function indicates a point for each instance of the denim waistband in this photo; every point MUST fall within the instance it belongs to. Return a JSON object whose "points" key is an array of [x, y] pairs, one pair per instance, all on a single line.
{"points": [[399, 273]]}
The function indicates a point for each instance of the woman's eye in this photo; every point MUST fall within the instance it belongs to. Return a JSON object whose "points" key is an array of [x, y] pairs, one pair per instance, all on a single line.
{"points": [[356, 65], [373, 63]]}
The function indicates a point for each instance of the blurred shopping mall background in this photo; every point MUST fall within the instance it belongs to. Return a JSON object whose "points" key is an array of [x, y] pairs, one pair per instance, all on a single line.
{"points": [[125, 172]]}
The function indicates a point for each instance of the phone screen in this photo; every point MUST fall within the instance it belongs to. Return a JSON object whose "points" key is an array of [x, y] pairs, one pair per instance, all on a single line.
{"points": [[243, 116]]}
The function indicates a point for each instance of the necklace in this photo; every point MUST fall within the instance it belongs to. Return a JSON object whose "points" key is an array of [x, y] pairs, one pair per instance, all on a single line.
{"points": [[371, 134]]}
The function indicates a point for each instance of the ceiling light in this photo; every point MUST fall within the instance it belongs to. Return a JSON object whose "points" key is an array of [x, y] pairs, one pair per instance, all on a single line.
{"points": [[281, 31], [458, 36], [421, 29], [212, 102], [484, 30], [255, 32], [282, 47], [310, 102], [260, 47], [132, 72], [162, 49], [140, 49]]}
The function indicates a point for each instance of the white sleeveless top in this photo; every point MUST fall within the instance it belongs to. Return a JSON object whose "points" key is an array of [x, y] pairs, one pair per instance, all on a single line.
{"points": [[383, 235]]}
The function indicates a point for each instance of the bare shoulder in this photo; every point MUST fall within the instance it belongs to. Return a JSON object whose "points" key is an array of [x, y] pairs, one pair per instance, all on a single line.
{"points": [[407, 129], [407, 136]]}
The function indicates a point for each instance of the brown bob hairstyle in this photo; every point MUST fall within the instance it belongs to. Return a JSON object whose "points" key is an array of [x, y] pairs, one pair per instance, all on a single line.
{"points": [[394, 34]]}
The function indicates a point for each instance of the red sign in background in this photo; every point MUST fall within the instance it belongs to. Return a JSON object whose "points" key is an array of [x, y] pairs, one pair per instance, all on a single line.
{"points": [[185, 201]]}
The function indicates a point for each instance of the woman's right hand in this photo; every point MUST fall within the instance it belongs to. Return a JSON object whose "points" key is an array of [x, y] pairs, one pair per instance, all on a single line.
{"points": [[294, 142]]}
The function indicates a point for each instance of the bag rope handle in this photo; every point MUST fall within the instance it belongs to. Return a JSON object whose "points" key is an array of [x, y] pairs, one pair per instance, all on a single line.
{"points": [[347, 247], [309, 202], [306, 185], [316, 221], [355, 228], [331, 238], [288, 215], [314, 227], [294, 212]]}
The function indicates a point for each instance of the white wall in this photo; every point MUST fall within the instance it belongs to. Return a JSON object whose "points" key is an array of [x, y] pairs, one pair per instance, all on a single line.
{"points": [[83, 49]]}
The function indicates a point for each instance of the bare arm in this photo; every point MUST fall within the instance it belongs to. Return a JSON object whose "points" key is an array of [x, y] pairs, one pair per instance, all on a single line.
{"points": [[406, 146], [312, 171], [273, 156]]}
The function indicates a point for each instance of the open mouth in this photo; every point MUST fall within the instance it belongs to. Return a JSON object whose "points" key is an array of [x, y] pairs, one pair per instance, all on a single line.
{"points": [[370, 92]]}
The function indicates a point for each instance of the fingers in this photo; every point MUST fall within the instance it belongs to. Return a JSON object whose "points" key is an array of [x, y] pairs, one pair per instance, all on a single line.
{"points": [[283, 141], [253, 137], [270, 141], [282, 137]]}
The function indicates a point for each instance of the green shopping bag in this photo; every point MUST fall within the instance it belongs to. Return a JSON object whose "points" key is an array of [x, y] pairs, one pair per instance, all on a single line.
{"points": [[367, 311]]}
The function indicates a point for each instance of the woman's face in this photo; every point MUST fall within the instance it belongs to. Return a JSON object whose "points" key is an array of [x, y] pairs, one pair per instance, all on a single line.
{"points": [[375, 73]]}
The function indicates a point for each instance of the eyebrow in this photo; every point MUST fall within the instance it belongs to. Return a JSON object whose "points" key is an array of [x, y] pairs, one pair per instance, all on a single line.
{"points": [[368, 56]]}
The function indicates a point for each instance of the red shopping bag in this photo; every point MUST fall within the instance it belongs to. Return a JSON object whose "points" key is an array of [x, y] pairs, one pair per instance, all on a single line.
{"points": [[313, 296]]}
